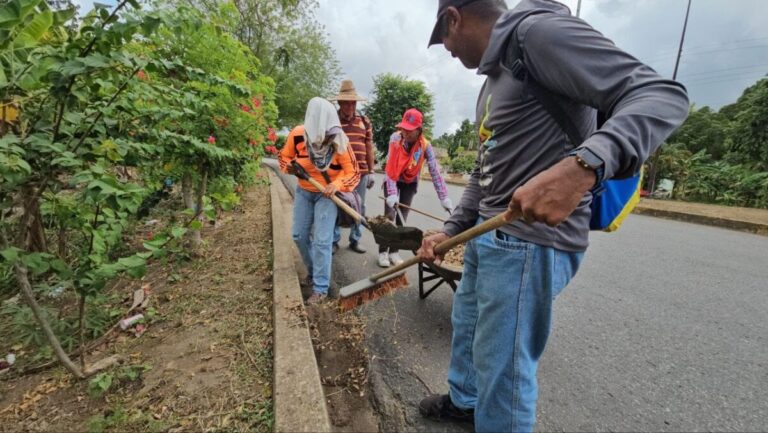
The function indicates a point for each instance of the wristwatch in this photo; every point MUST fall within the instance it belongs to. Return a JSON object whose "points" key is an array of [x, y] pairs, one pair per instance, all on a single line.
{"points": [[587, 159]]}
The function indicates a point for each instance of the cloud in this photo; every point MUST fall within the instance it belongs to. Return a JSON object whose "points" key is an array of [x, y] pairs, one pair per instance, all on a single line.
{"points": [[372, 37], [723, 40]]}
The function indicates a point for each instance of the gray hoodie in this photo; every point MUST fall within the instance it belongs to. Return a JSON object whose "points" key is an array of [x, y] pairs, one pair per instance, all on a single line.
{"points": [[519, 139]]}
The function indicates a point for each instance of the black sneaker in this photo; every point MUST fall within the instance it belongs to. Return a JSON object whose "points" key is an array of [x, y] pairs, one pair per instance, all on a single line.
{"points": [[335, 248], [440, 408]]}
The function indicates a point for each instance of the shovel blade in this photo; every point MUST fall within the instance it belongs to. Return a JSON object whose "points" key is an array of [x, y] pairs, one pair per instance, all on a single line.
{"points": [[399, 238]]}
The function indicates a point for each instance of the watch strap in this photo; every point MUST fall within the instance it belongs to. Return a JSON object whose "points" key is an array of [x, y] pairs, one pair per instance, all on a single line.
{"points": [[587, 159]]}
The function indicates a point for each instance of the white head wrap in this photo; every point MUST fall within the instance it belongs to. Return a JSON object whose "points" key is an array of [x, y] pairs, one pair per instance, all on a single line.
{"points": [[321, 121]]}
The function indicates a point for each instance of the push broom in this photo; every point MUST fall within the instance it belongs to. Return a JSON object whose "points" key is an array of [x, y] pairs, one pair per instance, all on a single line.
{"points": [[392, 279]]}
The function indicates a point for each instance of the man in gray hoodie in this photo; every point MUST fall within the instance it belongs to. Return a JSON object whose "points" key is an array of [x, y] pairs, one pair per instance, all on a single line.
{"points": [[502, 310]]}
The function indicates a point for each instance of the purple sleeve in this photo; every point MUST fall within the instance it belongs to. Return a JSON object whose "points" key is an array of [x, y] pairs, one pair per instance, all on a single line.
{"points": [[391, 186], [434, 172]]}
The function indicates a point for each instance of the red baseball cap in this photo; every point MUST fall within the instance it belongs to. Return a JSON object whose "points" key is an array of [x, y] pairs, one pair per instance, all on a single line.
{"points": [[412, 119]]}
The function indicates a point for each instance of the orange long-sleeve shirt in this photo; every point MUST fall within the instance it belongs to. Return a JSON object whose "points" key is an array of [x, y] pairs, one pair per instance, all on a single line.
{"points": [[343, 170]]}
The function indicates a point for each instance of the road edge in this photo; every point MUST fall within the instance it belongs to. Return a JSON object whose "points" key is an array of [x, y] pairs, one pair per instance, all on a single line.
{"points": [[743, 226], [299, 400], [640, 209]]}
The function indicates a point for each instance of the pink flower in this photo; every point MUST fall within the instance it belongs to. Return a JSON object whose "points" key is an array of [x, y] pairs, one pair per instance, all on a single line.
{"points": [[272, 135], [256, 102], [245, 108], [211, 139], [141, 75]]}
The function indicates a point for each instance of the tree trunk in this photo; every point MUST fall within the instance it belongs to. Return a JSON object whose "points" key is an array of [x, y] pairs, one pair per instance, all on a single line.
{"points": [[187, 191], [34, 238], [197, 238], [653, 172], [29, 297], [62, 242], [37, 240], [81, 311]]}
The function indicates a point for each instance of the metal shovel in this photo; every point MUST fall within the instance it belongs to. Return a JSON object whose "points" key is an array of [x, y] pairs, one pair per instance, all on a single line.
{"points": [[385, 233]]}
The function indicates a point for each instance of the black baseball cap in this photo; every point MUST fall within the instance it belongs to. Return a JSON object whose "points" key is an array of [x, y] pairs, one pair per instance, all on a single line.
{"points": [[437, 32]]}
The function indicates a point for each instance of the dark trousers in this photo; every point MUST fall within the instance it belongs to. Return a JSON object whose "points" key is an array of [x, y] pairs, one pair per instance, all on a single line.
{"points": [[406, 191]]}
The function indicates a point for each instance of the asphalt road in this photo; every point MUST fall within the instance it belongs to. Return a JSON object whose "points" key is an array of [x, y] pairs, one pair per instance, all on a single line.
{"points": [[665, 328]]}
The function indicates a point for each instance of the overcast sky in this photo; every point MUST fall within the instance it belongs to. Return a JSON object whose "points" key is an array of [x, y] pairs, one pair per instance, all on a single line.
{"points": [[726, 45]]}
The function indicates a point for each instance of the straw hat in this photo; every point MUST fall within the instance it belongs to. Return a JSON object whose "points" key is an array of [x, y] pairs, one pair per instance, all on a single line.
{"points": [[347, 92]]}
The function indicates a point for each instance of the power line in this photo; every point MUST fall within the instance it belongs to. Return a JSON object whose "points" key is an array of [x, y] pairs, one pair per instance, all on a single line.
{"points": [[741, 77], [695, 53], [671, 51], [730, 74], [427, 65], [695, 74]]}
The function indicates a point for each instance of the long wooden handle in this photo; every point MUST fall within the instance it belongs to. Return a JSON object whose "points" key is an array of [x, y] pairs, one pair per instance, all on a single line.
{"points": [[417, 211], [345, 207], [492, 224], [397, 268], [445, 246]]}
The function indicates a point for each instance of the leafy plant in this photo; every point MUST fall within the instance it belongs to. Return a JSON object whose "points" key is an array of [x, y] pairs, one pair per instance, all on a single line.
{"points": [[120, 419], [103, 382], [464, 163], [100, 384], [722, 157], [260, 416], [291, 45], [161, 92]]}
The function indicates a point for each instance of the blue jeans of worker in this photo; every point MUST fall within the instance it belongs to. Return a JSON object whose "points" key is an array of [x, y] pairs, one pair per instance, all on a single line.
{"points": [[313, 219], [501, 318], [355, 232]]}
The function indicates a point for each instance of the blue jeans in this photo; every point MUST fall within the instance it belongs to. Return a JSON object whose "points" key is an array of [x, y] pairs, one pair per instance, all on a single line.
{"points": [[355, 233], [313, 219], [501, 318]]}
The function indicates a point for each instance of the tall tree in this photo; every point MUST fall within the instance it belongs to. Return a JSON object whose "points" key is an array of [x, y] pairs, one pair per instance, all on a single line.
{"points": [[703, 130], [750, 129], [466, 136], [392, 95], [292, 47]]}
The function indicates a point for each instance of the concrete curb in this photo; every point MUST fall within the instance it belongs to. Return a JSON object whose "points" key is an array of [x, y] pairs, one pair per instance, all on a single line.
{"points": [[299, 401], [744, 226]]}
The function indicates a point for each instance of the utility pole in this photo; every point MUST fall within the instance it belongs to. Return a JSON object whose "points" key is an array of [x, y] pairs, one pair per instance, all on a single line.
{"points": [[682, 40], [655, 157], [578, 9]]}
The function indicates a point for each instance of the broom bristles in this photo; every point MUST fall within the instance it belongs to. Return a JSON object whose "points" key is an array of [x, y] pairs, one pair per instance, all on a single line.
{"points": [[374, 292]]}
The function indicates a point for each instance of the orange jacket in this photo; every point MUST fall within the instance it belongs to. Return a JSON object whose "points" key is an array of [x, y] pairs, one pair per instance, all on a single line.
{"points": [[343, 170]]}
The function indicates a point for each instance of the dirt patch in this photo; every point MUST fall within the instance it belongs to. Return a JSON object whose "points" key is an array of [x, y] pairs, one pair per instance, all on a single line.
{"points": [[342, 357], [204, 362], [455, 257]]}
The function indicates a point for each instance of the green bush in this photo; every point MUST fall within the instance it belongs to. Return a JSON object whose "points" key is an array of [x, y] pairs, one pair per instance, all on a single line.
{"points": [[701, 179], [463, 163]]}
